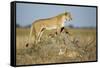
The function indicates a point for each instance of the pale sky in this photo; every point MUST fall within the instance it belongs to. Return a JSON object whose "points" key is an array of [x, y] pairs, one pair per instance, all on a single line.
{"points": [[82, 16]]}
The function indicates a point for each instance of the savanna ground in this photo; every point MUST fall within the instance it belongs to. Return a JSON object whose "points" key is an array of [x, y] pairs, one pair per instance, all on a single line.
{"points": [[79, 46]]}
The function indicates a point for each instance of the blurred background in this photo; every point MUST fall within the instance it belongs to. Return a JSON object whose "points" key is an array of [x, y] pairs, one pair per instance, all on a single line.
{"points": [[83, 17]]}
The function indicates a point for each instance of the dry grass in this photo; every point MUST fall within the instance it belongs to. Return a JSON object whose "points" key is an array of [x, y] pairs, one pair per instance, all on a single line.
{"points": [[80, 46]]}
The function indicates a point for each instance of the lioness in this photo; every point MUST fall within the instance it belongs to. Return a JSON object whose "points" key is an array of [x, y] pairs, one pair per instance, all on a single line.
{"points": [[56, 22]]}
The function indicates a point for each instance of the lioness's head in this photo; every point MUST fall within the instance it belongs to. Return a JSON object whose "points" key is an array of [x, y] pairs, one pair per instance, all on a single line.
{"points": [[68, 16]]}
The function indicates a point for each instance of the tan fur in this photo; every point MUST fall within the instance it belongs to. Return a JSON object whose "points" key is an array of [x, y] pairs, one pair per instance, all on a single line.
{"points": [[55, 22]]}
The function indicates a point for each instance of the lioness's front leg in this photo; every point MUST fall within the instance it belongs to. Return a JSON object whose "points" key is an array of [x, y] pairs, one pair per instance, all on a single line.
{"points": [[65, 31]]}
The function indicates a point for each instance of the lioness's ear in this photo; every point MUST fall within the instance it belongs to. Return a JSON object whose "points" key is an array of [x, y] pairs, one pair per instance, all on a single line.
{"points": [[65, 13]]}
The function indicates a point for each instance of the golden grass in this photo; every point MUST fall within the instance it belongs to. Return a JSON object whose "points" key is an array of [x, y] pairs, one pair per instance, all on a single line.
{"points": [[80, 46]]}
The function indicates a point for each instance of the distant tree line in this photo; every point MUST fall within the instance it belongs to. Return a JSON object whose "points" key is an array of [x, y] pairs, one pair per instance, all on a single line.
{"points": [[69, 26], [19, 26], [84, 27]]}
